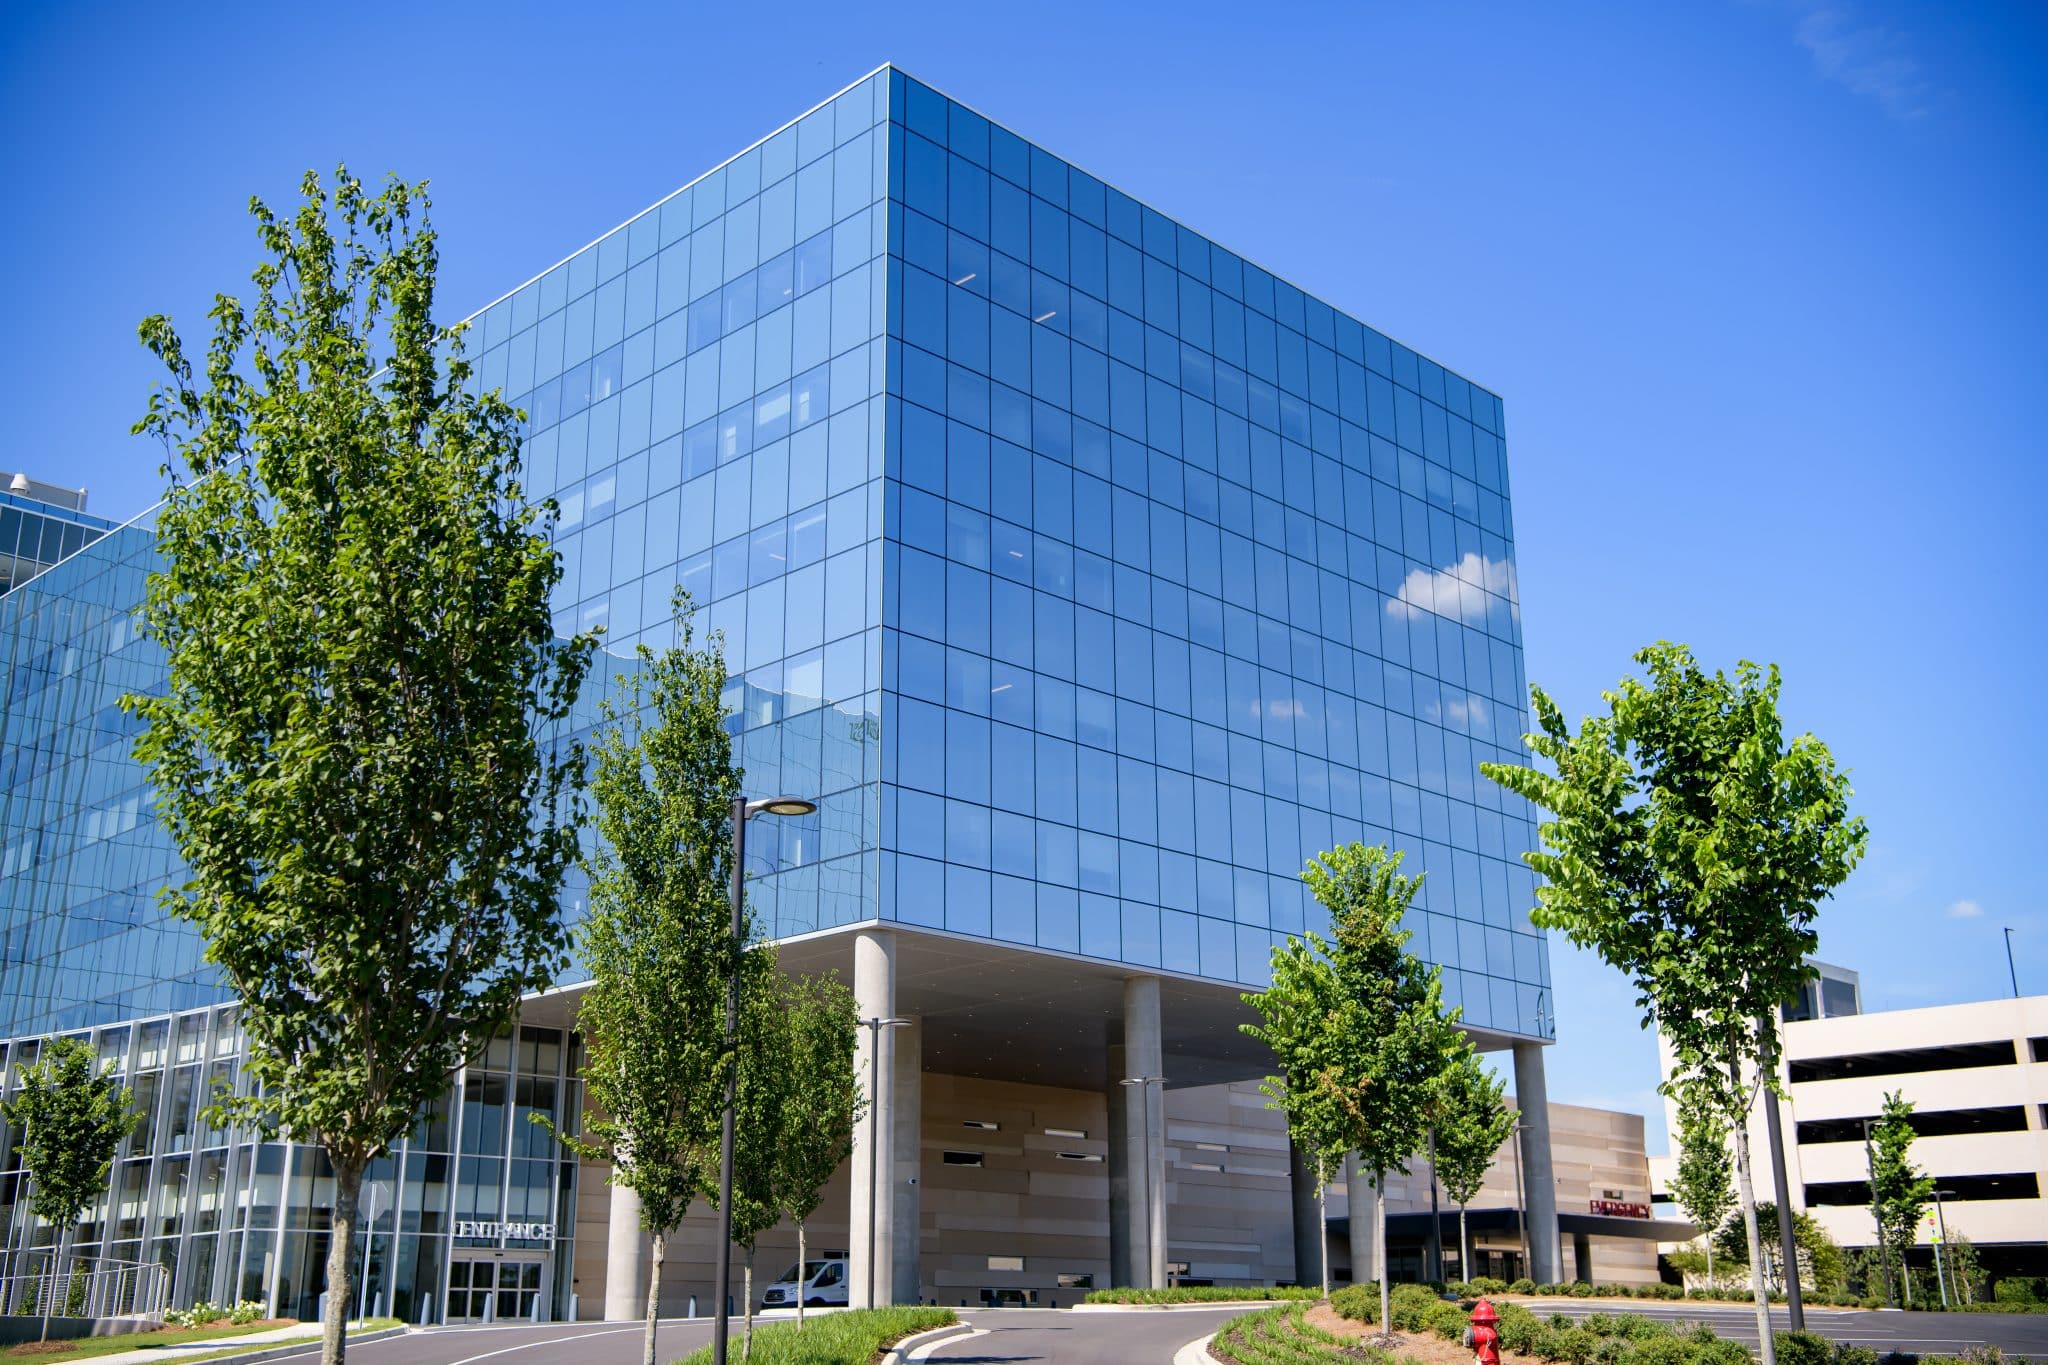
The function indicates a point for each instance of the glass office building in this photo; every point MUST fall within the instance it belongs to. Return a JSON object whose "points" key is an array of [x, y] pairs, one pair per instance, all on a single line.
{"points": [[1091, 577]]}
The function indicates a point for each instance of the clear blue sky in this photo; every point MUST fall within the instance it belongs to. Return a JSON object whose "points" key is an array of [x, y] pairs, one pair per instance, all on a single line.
{"points": [[1761, 283]]}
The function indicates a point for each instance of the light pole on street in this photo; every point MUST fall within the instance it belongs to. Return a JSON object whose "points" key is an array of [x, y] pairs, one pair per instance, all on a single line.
{"points": [[743, 810], [874, 1027]]}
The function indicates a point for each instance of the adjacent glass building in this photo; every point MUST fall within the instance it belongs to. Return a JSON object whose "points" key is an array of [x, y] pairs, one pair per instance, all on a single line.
{"points": [[1090, 576]]}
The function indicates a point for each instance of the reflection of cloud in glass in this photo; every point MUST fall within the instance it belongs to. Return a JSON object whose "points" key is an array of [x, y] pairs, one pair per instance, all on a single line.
{"points": [[1458, 592]]}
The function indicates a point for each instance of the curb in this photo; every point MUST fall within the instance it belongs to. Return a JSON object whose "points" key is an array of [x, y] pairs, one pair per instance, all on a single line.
{"points": [[899, 1353], [292, 1348], [1240, 1305], [1195, 1352]]}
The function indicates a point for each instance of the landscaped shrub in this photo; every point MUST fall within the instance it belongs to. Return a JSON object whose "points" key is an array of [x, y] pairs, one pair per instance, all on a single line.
{"points": [[1803, 1348], [2016, 1289], [1846, 1354], [1582, 1290], [1665, 1350], [246, 1312], [1487, 1284], [1573, 1345], [1205, 1293], [1524, 1285]]}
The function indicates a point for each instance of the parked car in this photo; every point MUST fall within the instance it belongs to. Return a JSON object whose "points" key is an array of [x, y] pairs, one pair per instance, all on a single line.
{"points": [[823, 1286]]}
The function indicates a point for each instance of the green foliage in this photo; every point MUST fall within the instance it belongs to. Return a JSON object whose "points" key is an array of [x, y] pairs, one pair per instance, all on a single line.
{"points": [[1827, 1269], [355, 608], [1204, 1293], [1524, 1285], [1701, 1184], [1357, 1023], [658, 939], [2017, 1289], [1690, 846], [198, 1315], [72, 1116], [358, 751], [1899, 1192], [854, 1337], [1470, 1120], [1803, 1348]]}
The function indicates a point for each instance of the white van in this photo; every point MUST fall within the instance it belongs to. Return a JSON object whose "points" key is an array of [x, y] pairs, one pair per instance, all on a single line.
{"points": [[823, 1282]]}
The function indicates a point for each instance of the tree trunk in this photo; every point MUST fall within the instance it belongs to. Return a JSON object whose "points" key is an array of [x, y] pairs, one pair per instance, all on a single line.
{"points": [[1323, 1230], [1464, 1248], [341, 1245], [1769, 1351], [653, 1298], [800, 1264], [50, 1279], [747, 1304], [1710, 1260], [1379, 1250]]}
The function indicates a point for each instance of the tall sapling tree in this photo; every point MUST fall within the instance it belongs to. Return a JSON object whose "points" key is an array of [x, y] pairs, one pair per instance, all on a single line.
{"points": [[359, 753], [658, 940], [823, 1102], [72, 1116], [1701, 1184], [1690, 845], [1357, 1022], [1899, 1191], [1472, 1121]]}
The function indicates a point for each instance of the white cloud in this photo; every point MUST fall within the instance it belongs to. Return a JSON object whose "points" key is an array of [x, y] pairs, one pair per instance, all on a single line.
{"points": [[1458, 592], [1864, 59], [1965, 910]]}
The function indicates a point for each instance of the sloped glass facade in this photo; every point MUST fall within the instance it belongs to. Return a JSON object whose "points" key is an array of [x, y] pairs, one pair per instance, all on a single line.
{"points": [[1089, 575]]}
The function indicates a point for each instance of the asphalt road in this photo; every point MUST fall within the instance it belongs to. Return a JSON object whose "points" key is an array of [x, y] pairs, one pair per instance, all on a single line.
{"points": [[1005, 1336], [1024, 1336], [2024, 1335]]}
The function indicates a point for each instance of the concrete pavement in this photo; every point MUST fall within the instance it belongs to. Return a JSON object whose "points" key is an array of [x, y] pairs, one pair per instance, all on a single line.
{"points": [[2024, 1335]]}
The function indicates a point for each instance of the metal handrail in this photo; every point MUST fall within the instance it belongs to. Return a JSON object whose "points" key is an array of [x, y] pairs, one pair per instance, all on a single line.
{"points": [[69, 1286]]}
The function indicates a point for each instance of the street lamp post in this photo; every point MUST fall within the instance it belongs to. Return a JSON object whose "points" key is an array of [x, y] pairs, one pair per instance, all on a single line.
{"points": [[1155, 1232], [1941, 1245], [743, 810], [874, 1027]]}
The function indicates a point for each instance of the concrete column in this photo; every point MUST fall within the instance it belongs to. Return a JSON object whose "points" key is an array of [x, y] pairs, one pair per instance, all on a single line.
{"points": [[906, 1277], [626, 1251], [1363, 1210], [871, 1224], [1532, 1097], [1308, 1228], [1137, 1175], [1582, 1258]]}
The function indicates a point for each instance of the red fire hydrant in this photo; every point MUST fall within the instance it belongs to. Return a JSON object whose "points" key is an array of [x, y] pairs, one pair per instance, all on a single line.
{"points": [[1483, 1336]]}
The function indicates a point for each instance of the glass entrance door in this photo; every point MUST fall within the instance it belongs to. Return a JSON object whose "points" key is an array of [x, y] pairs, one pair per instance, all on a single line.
{"points": [[494, 1287]]}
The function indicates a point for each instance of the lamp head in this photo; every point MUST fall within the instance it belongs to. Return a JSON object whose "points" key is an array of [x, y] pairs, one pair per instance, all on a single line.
{"points": [[780, 805]]}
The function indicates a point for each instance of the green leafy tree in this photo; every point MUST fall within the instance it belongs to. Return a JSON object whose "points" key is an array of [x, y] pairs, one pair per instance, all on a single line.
{"points": [[1472, 1120], [822, 1100], [658, 939], [1357, 1022], [1825, 1267], [1690, 845], [1899, 1192], [764, 1119], [1702, 1183], [359, 751], [71, 1116]]}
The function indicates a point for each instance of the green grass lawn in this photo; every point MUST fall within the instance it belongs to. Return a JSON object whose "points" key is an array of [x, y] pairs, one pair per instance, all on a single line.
{"points": [[86, 1348], [849, 1338]]}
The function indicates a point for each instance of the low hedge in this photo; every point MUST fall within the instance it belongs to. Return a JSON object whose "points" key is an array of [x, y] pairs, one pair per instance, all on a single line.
{"points": [[1204, 1293], [849, 1338]]}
